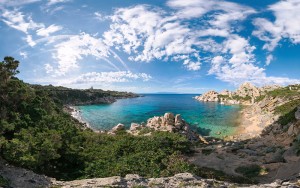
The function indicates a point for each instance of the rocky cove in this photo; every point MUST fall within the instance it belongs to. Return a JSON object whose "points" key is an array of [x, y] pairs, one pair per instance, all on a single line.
{"points": [[265, 149]]}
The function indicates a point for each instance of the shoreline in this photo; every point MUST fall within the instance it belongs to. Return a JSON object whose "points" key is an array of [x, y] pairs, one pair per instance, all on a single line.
{"points": [[247, 123], [76, 114]]}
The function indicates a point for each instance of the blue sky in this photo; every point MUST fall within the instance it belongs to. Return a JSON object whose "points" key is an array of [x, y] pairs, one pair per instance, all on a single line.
{"points": [[184, 46]]}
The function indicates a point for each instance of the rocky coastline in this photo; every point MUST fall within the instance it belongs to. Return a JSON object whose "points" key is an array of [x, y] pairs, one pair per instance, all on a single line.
{"points": [[244, 95], [261, 142]]}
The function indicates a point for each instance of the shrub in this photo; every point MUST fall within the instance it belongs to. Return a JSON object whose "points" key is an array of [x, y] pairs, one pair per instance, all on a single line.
{"points": [[4, 182], [251, 171]]}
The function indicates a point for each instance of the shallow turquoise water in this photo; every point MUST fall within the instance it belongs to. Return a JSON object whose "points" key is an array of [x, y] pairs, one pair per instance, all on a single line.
{"points": [[207, 118]]}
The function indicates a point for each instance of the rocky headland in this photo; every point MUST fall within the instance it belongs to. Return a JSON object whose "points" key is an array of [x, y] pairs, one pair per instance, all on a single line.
{"points": [[245, 94]]}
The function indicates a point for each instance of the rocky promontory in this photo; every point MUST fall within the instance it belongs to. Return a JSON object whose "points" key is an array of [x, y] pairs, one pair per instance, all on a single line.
{"points": [[245, 94]]}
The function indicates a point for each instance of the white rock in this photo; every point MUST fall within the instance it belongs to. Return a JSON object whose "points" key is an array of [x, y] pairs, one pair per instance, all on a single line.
{"points": [[134, 126], [118, 128]]}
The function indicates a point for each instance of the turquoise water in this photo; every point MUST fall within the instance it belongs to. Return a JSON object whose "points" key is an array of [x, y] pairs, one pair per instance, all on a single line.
{"points": [[208, 118]]}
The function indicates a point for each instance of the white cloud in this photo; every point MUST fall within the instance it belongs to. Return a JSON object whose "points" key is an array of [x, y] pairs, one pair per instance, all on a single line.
{"points": [[197, 8], [99, 16], [45, 32], [161, 37], [69, 52], [17, 20], [192, 65], [110, 77], [29, 41], [53, 2], [24, 55], [237, 65], [48, 68], [167, 36], [286, 24], [269, 59], [16, 2]]}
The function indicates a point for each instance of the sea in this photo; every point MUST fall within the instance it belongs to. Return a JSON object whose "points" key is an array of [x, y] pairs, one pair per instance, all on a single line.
{"points": [[207, 118]]}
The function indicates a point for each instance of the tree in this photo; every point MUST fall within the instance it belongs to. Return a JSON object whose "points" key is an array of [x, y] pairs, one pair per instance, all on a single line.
{"points": [[8, 68]]}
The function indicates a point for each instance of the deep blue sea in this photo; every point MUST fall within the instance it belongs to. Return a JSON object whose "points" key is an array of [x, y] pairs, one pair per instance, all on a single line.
{"points": [[208, 118]]}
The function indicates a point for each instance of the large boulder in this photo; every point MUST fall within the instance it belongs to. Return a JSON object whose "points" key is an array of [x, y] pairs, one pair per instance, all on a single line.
{"points": [[118, 127], [134, 126], [178, 121], [154, 122], [169, 119]]}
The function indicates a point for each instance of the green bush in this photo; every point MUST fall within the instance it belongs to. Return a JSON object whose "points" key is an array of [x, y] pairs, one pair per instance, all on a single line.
{"points": [[287, 111], [4, 182], [250, 171]]}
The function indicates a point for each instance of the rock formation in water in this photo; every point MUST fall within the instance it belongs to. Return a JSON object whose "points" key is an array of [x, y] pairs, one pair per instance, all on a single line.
{"points": [[168, 122]]}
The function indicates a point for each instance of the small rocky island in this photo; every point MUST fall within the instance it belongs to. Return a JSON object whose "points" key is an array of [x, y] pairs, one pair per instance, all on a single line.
{"points": [[168, 122]]}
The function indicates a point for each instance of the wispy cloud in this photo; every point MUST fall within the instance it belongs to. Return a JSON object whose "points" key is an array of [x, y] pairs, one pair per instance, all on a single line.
{"points": [[269, 59], [17, 20], [53, 2], [16, 2], [46, 31], [110, 77], [286, 24]]}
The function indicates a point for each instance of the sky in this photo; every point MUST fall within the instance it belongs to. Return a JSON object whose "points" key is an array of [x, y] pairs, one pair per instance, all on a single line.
{"points": [[182, 46]]}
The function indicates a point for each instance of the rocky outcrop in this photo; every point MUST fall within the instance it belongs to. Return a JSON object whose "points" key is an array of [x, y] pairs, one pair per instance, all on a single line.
{"points": [[210, 96], [247, 89], [168, 122], [22, 178], [245, 95], [172, 123], [178, 180]]}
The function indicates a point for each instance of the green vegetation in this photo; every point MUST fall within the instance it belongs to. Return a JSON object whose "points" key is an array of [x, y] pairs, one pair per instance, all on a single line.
{"points": [[4, 182], [289, 92], [287, 111], [260, 98], [239, 98], [223, 96], [251, 171], [235, 97], [69, 96]]}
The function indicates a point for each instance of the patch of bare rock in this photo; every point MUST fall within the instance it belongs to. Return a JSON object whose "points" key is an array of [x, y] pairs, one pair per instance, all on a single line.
{"points": [[178, 180]]}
